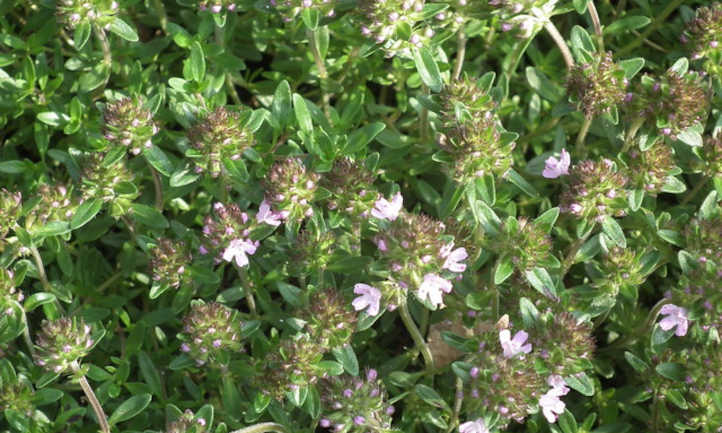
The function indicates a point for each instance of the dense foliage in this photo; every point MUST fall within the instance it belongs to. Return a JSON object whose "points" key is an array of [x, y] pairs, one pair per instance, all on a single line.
{"points": [[360, 216]]}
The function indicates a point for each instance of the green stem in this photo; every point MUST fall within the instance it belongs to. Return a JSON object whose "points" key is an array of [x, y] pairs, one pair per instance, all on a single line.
{"points": [[322, 72], [656, 23], [92, 399], [105, 45], [631, 133], [157, 186], [697, 188], [41, 269], [458, 400], [596, 23], [263, 428], [460, 54], [107, 283], [572, 253], [416, 335], [581, 149], [424, 118], [561, 43], [26, 331], [250, 300], [221, 41]]}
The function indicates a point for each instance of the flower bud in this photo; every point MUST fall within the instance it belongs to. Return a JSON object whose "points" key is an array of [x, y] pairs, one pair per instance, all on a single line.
{"points": [[219, 138], [129, 124], [75, 12], [291, 188], [187, 423], [108, 178], [61, 343], [589, 193], [168, 263], [650, 169], [211, 333], [597, 86]]}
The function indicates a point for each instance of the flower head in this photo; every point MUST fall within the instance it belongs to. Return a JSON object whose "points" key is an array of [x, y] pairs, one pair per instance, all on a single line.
{"points": [[514, 346], [477, 426], [551, 405], [266, 215], [553, 168], [675, 316], [453, 258], [237, 249], [369, 299], [388, 210], [432, 288]]}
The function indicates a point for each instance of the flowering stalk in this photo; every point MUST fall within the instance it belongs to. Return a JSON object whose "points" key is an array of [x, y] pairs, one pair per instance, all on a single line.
{"points": [[559, 40], [596, 23], [460, 53], [416, 335], [322, 72], [92, 399]]}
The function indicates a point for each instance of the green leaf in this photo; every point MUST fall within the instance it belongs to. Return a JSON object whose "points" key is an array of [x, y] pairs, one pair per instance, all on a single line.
{"points": [[310, 18], [614, 231], [14, 167], [529, 312], [636, 363], [347, 357], [635, 199], [358, 139], [150, 373], [546, 88], [53, 118], [430, 396], [567, 422], [303, 116], [486, 188], [53, 228], [37, 299], [183, 178], [428, 69], [580, 6], [86, 212], [158, 159], [197, 62], [672, 371], [546, 220], [123, 29], [81, 34], [521, 183], [504, 269], [626, 24], [676, 397], [281, 105], [632, 66], [690, 137], [540, 279], [130, 408], [581, 383], [674, 186], [148, 216]]}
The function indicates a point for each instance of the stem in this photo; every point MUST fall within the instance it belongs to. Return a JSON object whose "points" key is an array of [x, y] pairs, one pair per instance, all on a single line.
{"points": [[109, 281], [559, 40], [424, 119], [459, 399], [105, 45], [690, 195], [572, 253], [92, 399], [322, 72], [250, 300], [460, 53], [581, 150], [416, 335], [262, 428], [596, 23], [131, 228], [631, 133], [41, 269], [162, 16], [26, 331], [658, 21], [221, 41], [158, 187]]}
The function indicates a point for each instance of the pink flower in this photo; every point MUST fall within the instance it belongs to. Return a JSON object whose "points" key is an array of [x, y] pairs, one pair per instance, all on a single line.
{"points": [[369, 299], [477, 426], [553, 168], [266, 215], [675, 316], [453, 258], [550, 403], [237, 249], [388, 210], [432, 287], [514, 346]]}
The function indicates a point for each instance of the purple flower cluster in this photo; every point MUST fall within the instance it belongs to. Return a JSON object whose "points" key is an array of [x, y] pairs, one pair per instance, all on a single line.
{"points": [[211, 333], [62, 342]]}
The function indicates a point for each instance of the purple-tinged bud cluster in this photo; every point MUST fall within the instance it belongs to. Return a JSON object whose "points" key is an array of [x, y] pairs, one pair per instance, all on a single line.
{"points": [[395, 25], [294, 363], [598, 86], [356, 405], [62, 342], [621, 268], [565, 343], [595, 189], [187, 423], [329, 320], [521, 16], [704, 240], [471, 133], [649, 170], [528, 244], [107, 177], [74, 12], [218, 140], [313, 252], [169, 261], [11, 205], [211, 333], [9, 294], [671, 102], [415, 254], [217, 6], [351, 187], [228, 235], [52, 202], [699, 291], [704, 34], [711, 156], [291, 9], [290, 189], [129, 124]]}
